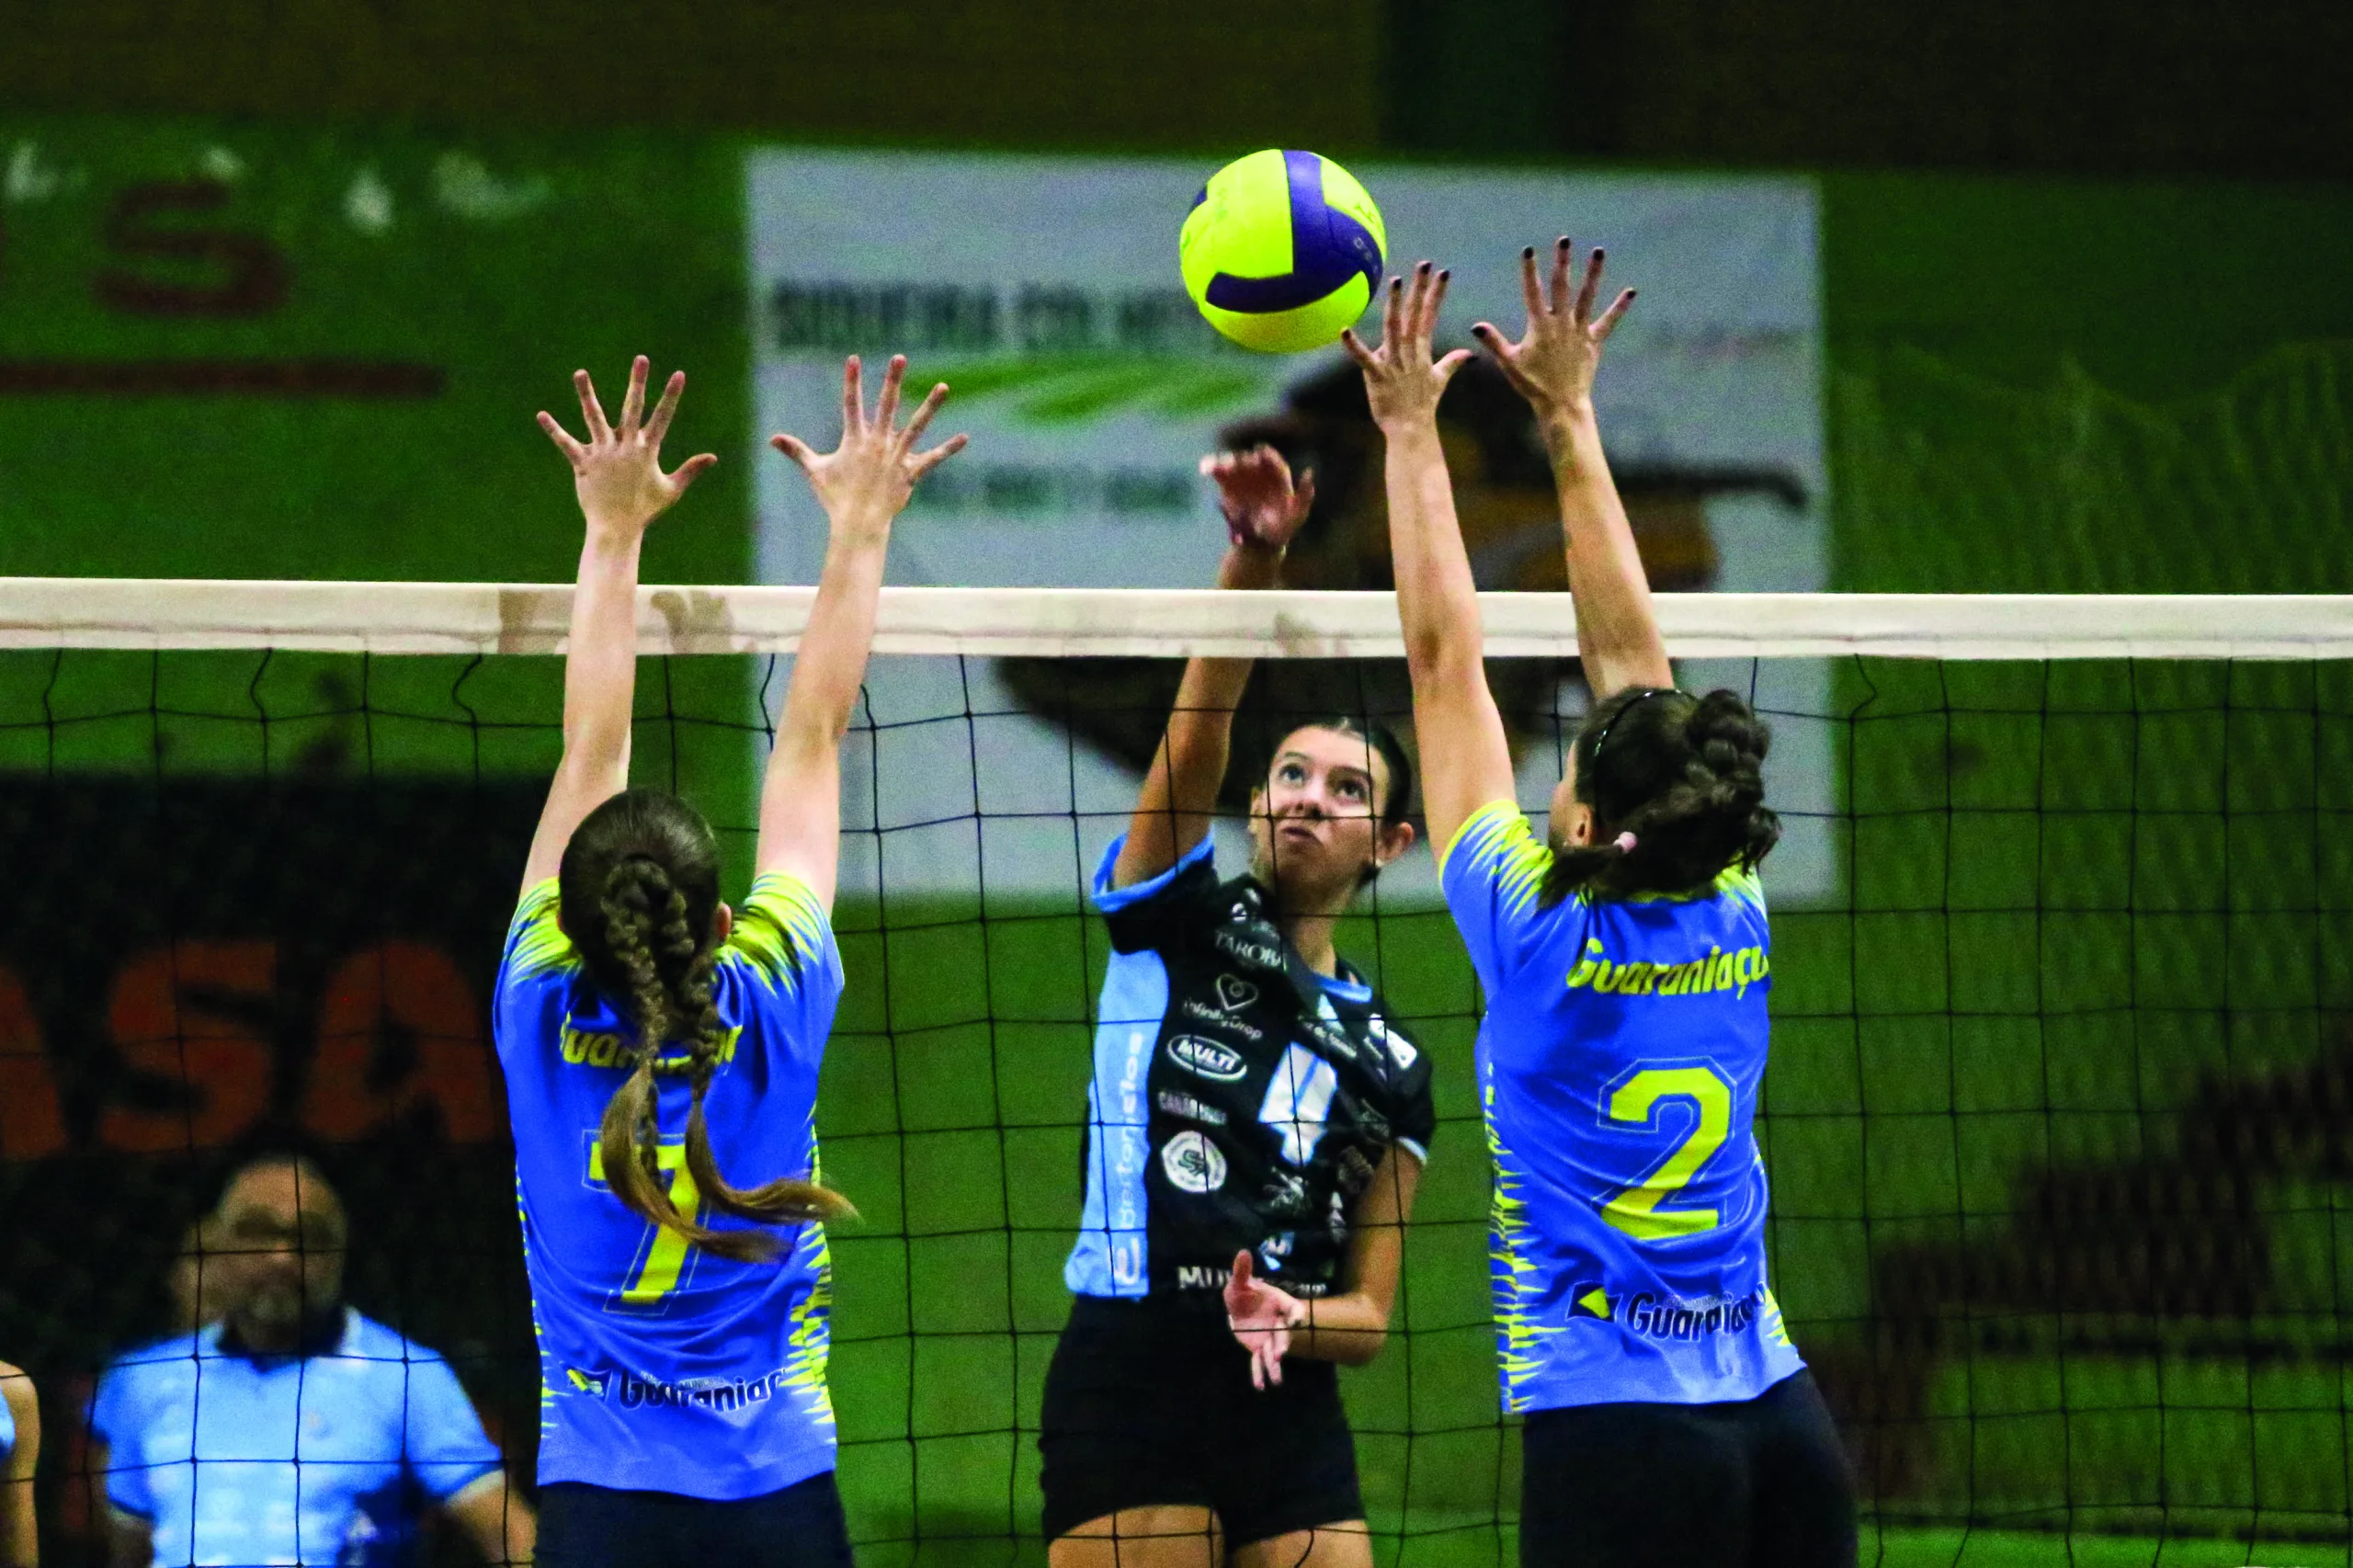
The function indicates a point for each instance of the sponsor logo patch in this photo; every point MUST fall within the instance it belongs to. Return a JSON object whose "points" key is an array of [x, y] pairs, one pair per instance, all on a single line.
{"points": [[1202, 1012], [1207, 1059], [1190, 1108], [1192, 1164], [1235, 995], [1201, 1277]]}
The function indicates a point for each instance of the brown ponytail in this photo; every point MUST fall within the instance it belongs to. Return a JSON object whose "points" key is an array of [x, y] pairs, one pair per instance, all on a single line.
{"points": [[1683, 776], [639, 891]]}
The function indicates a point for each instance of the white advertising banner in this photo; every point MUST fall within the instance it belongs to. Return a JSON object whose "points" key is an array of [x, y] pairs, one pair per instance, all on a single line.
{"points": [[1045, 291]]}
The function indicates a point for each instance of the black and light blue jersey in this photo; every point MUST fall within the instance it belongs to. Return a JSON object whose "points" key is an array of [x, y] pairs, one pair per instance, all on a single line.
{"points": [[1240, 1102], [1618, 1066], [664, 1368]]}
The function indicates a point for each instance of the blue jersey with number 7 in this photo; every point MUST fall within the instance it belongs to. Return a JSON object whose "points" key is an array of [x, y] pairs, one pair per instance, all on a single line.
{"points": [[1618, 1064], [663, 1368]]}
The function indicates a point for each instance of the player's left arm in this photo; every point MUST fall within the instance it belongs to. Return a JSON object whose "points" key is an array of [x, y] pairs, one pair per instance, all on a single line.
{"points": [[1553, 366], [863, 484], [617, 476], [1466, 758], [1350, 1327], [19, 1534], [496, 1518]]}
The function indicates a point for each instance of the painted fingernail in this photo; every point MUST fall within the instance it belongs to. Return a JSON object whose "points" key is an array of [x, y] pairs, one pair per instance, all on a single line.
{"points": [[1527, 253], [1444, 273]]}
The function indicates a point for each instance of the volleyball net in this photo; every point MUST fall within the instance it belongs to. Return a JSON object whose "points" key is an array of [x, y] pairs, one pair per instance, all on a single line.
{"points": [[2059, 1119]]}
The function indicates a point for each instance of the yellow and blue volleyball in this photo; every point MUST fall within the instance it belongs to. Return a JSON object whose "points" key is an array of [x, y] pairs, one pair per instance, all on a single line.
{"points": [[1283, 250]]}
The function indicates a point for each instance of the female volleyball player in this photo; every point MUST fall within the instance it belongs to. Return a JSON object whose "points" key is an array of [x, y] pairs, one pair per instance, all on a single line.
{"points": [[653, 1039], [1625, 967], [1255, 1130]]}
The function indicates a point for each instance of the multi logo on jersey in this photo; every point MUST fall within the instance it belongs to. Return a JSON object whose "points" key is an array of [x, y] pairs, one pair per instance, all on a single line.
{"points": [[1207, 1059]]}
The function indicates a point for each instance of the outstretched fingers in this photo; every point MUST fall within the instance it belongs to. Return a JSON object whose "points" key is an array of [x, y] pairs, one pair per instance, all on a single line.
{"points": [[1564, 256], [886, 407], [1356, 350], [1609, 321], [794, 448], [665, 411], [853, 398], [694, 468], [922, 415], [1392, 316], [1591, 287], [1531, 292], [633, 400], [573, 452], [923, 462], [1432, 298], [590, 409]]}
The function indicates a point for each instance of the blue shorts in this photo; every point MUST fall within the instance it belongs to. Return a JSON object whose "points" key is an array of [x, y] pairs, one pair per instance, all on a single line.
{"points": [[596, 1526]]}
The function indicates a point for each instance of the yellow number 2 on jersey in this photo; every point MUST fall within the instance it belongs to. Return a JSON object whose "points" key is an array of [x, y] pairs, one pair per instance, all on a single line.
{"points": [[1635, 1209], [659, 1264]]}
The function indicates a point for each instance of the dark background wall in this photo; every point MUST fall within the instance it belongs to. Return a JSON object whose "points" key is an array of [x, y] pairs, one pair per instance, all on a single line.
{"points": [[2082, 86]]}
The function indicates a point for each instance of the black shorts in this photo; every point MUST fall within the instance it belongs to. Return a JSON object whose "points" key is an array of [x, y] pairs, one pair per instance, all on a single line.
{"points": [[598, 1527], [1757, 1483], [1149, 1402]]}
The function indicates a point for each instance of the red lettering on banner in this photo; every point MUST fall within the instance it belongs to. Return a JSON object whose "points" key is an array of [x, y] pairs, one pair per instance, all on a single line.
{"points": [[250, 273], [378, 994], [187, 1013], [31, 1123]]}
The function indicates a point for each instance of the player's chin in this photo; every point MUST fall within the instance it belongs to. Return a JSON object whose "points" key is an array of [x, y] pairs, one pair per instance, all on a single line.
{"points": [[1315, 874]]}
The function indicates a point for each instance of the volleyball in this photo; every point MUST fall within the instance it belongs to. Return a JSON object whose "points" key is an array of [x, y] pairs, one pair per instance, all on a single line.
{"points": [[1281, 250]]}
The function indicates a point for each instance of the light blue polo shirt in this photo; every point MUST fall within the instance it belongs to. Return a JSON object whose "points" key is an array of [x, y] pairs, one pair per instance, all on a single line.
{"points": [[236, 1459]]}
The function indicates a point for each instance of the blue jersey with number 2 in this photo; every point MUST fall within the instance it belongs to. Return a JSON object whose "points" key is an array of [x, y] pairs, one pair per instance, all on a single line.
{"points": [[663, 1368], [1618, 1064]]}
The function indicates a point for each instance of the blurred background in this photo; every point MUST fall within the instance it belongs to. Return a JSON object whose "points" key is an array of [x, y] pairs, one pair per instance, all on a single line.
{"points": [[2037, 297]]}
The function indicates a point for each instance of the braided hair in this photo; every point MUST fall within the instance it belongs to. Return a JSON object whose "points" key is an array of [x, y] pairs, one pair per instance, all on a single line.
{"points": [[1684, 774], [639, 896]]}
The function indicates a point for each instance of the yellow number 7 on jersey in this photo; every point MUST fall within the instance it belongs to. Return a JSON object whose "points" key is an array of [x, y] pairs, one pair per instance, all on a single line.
{"points": [[657, 1264], [1635, 1209]]}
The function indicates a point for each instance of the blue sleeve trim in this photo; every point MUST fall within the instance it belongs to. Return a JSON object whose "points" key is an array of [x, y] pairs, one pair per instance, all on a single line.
{"points": [[1110, 899]]}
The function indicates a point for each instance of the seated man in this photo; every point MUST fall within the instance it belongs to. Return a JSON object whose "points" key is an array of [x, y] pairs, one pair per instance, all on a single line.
{"points": [[293, 1430]]}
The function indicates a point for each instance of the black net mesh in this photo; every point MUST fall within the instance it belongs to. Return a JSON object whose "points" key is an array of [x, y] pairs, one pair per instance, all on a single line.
{"points": [[2060, 1119]]}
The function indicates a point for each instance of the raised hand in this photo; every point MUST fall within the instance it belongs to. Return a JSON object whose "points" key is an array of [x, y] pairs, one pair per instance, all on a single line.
{"points": [[1553, 363], [617, 472], [1400, 381], [865, 481], [1262, 507], [1261, 1316]]}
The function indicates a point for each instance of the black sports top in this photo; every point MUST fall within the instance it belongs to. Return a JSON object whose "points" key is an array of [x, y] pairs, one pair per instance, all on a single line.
{"points": [[1240, 1100]]}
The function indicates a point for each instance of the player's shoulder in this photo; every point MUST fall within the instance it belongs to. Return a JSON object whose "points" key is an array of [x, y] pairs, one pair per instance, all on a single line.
{"points": [[782, 930], [174, 1354], [537, 949]]}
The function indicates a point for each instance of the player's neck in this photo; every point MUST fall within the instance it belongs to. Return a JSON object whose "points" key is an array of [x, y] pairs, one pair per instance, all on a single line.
{"points": [[1311, 937]]}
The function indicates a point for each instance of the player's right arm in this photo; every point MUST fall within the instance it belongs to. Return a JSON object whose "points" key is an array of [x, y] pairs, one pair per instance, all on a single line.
{"points": [[1552, 364], [1263, 510], [1466, 761], [863, 484], [617, 474]]}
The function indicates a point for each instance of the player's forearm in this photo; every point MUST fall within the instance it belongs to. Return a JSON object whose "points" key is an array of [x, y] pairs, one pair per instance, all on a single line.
{"points": [[1201, 722], [1438, 599], [1349, 1329], [1617, 627], [831, 666], [1180, 791], [600, 663]]}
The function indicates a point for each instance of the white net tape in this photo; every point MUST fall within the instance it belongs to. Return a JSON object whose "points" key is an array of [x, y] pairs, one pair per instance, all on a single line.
{"points": [[489, 617]]}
